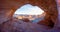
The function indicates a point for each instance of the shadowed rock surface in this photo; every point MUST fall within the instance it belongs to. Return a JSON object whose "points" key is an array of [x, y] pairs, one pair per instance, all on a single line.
{"points": [[8, 24]]}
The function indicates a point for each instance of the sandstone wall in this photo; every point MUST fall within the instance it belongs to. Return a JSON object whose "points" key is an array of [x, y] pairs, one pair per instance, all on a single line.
{"points": [[8, 7]]}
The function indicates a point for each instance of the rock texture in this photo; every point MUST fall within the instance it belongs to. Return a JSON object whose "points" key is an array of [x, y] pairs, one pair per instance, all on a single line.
{"points": [[8, 24]]}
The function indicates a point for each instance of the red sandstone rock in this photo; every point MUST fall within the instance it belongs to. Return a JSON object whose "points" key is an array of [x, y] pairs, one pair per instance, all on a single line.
{"points": [[26, 20], [8, 7]]}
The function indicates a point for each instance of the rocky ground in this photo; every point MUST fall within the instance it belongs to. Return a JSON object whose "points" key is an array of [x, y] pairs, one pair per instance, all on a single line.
{"points": [[21, 26]]}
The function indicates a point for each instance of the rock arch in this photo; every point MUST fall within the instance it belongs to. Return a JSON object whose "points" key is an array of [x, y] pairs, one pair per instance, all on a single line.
{"points": [[8, 7]]}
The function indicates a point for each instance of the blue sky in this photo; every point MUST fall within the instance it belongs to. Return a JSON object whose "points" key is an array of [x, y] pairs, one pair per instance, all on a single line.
{"points": [[29, 9]]}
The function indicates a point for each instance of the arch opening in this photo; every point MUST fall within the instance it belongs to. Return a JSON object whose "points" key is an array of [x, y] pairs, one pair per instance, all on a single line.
{"points": [[29, 13]]}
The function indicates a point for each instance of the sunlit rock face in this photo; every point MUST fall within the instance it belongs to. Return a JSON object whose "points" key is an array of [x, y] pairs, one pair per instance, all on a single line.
{"points": [[8, 7]]}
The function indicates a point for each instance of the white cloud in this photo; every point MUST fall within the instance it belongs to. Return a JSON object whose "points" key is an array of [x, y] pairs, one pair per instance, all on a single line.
{"points": [[29, 9]]}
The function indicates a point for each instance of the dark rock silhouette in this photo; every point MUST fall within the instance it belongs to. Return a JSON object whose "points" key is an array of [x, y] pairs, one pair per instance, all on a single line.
{"points": [[26, 20], [49, 23]]}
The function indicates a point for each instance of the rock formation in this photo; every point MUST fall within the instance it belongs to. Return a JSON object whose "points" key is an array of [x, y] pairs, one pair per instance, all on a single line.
{"points": [[8, 24]]}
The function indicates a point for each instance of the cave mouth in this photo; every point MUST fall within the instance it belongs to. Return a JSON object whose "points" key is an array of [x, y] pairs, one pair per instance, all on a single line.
{"points": [[29, 12]]}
